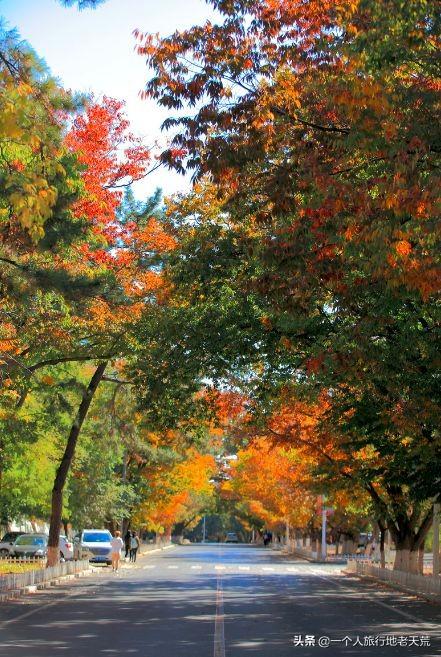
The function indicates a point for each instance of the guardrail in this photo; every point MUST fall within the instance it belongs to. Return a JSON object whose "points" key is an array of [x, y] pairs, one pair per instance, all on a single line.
{"points": [[312, 554], [40, 575], [23, 560], [425, 584]]}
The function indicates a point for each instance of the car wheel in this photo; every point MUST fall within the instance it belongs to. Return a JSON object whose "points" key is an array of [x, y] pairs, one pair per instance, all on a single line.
{"points": [[62, 559], [4, 553]]}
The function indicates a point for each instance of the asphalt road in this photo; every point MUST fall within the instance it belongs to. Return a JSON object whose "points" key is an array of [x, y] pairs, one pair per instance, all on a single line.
{"points": [[219, 601]]}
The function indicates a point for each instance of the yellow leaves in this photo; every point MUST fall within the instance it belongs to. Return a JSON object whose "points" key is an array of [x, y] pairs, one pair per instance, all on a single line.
{"points": [[362, 99], [24, 89], [7, 346], [32, 205], [288, 90], [153, 438], [390, 202], [34, 142], [263, 119]]}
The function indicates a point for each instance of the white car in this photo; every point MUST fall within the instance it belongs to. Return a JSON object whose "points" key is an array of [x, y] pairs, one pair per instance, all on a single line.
{"points": [[94, 545], [66, 548]]}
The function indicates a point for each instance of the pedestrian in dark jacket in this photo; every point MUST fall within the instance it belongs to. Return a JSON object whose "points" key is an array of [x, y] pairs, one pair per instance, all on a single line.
{"points": [[134, 546], [127, 539]]}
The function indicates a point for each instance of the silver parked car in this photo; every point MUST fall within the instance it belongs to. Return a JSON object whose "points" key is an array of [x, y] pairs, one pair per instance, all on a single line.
{"points": [[35, 545], [94, 544], [30, 545], [7, 542]]}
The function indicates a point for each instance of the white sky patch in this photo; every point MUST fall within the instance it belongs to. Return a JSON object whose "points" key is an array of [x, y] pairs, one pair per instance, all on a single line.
{"points": [[93, 51]]}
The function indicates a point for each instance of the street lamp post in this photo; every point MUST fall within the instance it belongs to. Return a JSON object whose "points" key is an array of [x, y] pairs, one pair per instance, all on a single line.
{"points": [[324, 546], [203, 531]]}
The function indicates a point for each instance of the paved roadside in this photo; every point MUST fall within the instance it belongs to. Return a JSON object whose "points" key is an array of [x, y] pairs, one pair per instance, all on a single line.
{"points": [[215, 600], [87, 583]]}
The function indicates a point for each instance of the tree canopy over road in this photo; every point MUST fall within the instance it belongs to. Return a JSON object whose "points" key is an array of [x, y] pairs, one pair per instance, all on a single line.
{"points": [[284, 309]]}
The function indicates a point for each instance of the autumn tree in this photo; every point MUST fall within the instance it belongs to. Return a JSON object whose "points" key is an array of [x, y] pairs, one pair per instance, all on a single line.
{"points": [[177, 493], [79, 271], [316, 123]]}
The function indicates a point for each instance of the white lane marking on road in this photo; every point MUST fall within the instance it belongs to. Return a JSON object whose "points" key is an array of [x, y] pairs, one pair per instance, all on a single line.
{"points": [[244, 568], [173, 567], [267, 568], [291, 570], [219, 630], [220, 567], [196, 567], [148, 567], [380, 603]]}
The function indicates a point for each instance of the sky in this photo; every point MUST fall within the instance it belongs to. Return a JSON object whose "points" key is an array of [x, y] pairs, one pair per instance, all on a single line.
{"points": [[93, 51]]}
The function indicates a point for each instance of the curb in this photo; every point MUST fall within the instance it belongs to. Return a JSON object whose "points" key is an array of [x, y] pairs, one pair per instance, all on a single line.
{"points": [[31, 589], [166, 547]]}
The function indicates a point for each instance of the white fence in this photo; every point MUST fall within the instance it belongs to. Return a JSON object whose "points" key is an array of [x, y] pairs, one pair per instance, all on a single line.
{"points": [[40, 575], [307, 553], [429, 584]]}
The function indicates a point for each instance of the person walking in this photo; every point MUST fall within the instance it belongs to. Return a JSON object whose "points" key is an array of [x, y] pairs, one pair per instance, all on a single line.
{"points": [[117, 545], [127, 539], [134, 546]]}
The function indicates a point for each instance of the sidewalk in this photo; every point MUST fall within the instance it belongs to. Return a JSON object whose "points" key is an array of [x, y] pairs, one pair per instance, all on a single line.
{"points": [[14, 586]]}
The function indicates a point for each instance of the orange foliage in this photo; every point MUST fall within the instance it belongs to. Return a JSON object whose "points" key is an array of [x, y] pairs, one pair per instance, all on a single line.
{"points": [[178, 492], [273, 482]]}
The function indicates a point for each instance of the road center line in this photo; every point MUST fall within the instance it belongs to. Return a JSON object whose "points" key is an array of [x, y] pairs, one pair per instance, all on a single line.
{"points": [[219, 633]]}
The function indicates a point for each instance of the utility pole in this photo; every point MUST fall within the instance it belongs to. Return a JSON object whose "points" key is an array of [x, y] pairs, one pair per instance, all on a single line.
{"points": [[203, 530], [435, 545], [324, 546], [124, 481]]}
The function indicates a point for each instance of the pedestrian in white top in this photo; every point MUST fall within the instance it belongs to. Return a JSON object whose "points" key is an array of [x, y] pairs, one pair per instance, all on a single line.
{"points": [[117, 545]]}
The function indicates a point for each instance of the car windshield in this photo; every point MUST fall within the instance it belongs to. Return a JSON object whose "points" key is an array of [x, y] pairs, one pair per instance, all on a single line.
{"points": [[96, 537]]}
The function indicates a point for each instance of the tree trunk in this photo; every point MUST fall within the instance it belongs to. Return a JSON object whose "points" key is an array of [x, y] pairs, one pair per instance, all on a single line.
{"points": [[53, 553], [421, 559], [407, 557]]}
